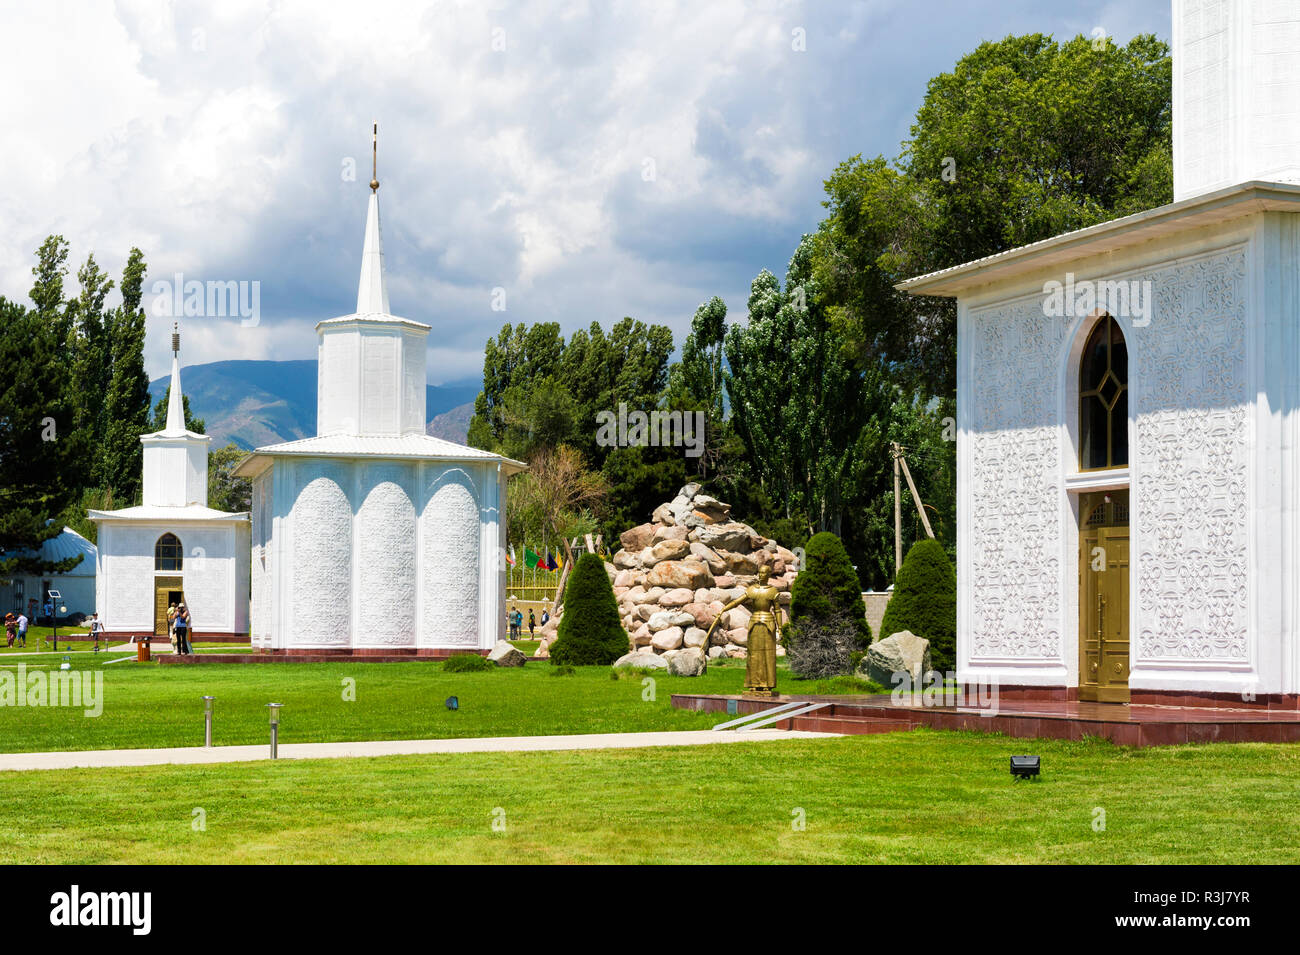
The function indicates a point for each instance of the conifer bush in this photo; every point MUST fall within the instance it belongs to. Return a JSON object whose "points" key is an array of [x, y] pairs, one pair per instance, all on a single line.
{"points": [[925, 602], [590, 632], [826, 609], [467, 663]]}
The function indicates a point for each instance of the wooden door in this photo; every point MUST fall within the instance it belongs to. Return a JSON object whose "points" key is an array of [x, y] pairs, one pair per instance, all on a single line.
{"points": [[166, 591], [1104, 606]]}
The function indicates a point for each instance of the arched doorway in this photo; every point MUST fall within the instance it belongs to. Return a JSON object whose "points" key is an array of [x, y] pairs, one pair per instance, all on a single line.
{"points": [[168, 562]]}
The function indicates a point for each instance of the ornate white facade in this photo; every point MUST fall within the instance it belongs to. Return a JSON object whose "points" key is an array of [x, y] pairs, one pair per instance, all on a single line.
{"points": [[1212, 473], [374, 537], [173, 547]]}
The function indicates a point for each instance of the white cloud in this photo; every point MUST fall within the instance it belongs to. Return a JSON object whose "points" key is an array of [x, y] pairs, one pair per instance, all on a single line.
{"points": [[215, 136]]}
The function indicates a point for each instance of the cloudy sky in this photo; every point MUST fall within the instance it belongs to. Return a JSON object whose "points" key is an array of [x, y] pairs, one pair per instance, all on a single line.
{"points": [[592, 160]]}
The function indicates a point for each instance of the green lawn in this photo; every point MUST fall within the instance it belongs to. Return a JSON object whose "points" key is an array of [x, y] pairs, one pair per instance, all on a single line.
{"points": [[147, 705], [919, 797]]}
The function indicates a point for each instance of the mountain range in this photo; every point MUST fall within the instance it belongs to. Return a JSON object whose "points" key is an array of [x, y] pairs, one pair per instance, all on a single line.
{"points": [[255, 403]]}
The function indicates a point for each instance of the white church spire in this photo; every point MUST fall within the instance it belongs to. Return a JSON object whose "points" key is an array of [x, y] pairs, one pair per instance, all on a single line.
{"points": [[175, 401], [372, 292]]}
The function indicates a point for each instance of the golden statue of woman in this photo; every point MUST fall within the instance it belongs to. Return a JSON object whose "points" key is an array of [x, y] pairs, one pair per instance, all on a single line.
{"points": [[761, 599]]}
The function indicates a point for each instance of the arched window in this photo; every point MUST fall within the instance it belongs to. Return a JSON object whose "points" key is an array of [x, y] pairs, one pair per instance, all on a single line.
{"points": [[168, 553], [1103, 398]]}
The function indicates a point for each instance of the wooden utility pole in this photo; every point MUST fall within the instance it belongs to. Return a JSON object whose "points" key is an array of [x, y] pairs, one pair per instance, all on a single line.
{"points": [[898, 511], [920, 508], [900, 464]]}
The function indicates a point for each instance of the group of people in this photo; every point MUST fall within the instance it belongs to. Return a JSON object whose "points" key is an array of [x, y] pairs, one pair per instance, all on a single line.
{"points": [[515, 618], [16, 629], [178, 628]]}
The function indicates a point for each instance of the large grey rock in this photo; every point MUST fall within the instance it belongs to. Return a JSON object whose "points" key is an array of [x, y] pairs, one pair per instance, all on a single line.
{"points": [[638, 537], [669, 639], [663, 619], [680, 573], [505, 654], [730, 535], [695, 637], [688, 662], [642, 659], [904, 652]]}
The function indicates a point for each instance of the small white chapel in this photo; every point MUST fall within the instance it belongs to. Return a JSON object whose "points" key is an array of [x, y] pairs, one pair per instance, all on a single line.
{"points": [[173, 548], [1128, 410], [374, 537]]}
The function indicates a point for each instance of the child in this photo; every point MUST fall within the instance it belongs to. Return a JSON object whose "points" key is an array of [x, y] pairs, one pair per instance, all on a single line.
{"points": [[96, 628]]}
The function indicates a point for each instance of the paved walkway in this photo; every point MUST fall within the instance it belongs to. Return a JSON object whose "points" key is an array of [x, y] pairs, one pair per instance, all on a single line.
{"points": [[192, 755]]}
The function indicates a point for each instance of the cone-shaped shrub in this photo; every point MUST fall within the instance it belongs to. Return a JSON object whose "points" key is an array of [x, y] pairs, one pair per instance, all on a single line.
{"points": [[925, 602], [827, 591], [590, 632]]}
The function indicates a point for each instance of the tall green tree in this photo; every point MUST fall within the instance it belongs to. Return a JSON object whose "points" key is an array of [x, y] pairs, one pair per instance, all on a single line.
{"points": [[225, 491], [796, 398], [126, 405], [43, 456], [517, 357], [89, 350], [1024, 139]]}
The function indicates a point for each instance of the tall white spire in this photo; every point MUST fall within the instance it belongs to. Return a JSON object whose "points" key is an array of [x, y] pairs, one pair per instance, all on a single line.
{"points": [[175, 460], [372, 293], [175, 401]]}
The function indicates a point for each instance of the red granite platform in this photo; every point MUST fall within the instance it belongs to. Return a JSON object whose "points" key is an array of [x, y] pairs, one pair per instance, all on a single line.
{"points": [[1121, 723], [312, 656]]}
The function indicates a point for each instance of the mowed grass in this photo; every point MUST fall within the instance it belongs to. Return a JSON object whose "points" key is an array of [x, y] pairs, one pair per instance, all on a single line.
{"points": [[147, 705], [918, 797]]}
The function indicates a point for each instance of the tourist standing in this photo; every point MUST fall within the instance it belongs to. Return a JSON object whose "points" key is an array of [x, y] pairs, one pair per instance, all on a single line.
{"points": [[96, 628], [22, 628], [546, 616], [11, 629], [171, 625], [183, 630], [532, 623]]}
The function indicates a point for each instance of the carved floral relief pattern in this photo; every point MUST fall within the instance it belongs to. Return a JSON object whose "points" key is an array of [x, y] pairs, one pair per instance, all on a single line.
{"points": [[1192, 449], [450, 529], [386, 540], [322, 560], [1014, 486]]}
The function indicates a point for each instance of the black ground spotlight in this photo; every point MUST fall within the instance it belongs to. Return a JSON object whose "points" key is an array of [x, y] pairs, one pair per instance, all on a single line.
{"points": [[1025, 767]]}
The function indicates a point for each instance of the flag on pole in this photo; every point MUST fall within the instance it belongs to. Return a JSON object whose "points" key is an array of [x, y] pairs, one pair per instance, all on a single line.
{"points": [[510, 557], [550, 561], [531, 558]]}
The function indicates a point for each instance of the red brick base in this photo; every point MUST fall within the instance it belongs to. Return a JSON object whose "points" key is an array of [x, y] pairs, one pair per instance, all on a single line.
{"points": [[1070, 694]]}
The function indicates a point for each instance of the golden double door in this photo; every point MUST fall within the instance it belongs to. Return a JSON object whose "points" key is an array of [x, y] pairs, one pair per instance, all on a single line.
{"points": [[1103, 598], [166, 591]]}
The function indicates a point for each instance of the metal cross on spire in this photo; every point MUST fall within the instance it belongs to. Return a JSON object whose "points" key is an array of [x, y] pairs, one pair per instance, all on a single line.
{"points": [[374, 159]]}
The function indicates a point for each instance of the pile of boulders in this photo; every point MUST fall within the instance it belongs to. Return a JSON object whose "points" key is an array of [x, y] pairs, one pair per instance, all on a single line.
{"points": [[674, 574]]}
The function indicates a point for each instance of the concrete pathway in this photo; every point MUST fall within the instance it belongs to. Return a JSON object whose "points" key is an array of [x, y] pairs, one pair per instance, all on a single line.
{"points": [[193, 755]]}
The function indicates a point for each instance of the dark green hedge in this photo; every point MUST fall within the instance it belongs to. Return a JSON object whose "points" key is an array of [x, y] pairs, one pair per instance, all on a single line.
{"points": [[590, 632], [826, 590], [925, 602]]}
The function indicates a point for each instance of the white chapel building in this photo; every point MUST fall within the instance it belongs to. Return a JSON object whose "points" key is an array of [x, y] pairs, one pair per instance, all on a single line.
{"points": [[173, 548], [374, 537], [1128, 410]]}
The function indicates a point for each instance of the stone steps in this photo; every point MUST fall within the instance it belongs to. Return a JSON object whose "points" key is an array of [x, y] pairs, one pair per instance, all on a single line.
{"points": [[848, 725]]}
